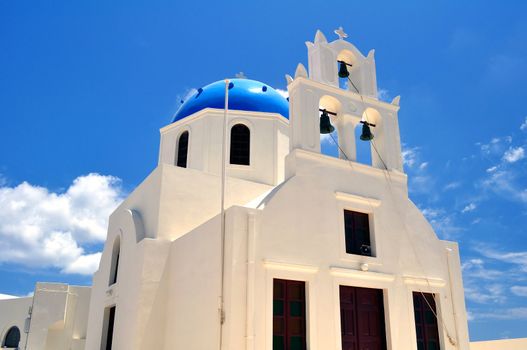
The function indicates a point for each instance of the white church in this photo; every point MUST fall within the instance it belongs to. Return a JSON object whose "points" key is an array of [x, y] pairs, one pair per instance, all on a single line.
{"points": [[246, 236]]}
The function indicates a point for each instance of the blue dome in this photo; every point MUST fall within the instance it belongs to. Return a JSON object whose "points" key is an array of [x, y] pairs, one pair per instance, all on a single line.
{"points": [[244, 95]]}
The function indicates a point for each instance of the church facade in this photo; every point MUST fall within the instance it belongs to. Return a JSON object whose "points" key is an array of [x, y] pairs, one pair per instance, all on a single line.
{"points": [[246, 236], [316, 252]]}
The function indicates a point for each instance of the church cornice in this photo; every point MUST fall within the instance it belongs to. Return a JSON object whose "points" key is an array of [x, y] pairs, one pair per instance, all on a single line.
{"points": [[393, 174], [219, 113]]}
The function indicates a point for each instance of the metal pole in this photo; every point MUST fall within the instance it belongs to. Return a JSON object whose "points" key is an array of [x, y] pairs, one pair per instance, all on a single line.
{"points": [[222, 209]]}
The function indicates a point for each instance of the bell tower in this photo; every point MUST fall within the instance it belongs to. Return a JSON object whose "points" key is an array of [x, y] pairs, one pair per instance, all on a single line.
{"points": [[350, 102]]}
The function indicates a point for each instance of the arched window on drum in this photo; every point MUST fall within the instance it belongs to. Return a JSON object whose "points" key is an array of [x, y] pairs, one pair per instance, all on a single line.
{"points": [[240, 145], [182, 150]]}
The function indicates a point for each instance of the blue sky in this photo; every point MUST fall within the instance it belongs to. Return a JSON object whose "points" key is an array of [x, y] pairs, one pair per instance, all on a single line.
{"points": [[85, 87]]}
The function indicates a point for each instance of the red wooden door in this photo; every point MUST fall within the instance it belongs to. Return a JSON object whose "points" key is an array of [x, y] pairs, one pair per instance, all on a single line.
{"points": [[362, 319], [289, 315], [348, 318]]}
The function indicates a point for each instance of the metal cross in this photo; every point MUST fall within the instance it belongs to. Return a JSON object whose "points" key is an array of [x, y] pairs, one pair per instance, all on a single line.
{"points": [[341, 33]]}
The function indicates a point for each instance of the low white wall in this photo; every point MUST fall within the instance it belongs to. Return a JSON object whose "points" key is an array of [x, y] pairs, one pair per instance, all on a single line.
{"points": [[13, 312], [58, 320], [59, 316], [503, 344]]}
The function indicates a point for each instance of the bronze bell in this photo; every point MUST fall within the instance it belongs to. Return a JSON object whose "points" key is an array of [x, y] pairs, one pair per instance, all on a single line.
{"points": [[325, 124], [366, 131], [343, 70]]}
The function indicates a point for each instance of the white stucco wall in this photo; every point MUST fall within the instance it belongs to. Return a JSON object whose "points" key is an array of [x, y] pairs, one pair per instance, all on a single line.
{"points": [[503, 344], [323, 57], [296, 234], [136, 291], [172, 201], [194, 284], [268, 143], [185, 199], [299, 227], [59, 315], [58, 319], [13, 312]]}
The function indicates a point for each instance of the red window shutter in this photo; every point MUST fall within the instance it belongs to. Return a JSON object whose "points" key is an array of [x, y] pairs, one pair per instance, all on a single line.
{"points": [[289, 315], [426, 326]]}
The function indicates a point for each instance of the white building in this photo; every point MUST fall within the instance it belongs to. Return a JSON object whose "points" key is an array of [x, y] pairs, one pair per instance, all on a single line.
{"points": [[318, 252], [54, 318], [311, 251]]}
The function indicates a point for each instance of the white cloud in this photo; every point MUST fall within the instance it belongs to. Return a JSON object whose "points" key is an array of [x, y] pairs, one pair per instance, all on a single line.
{"points": [[524, 125], [421, 184], [443, 223], [468, 208], [518, 313], [503, 179], [410, 156], [84, 264], [412, 159], [430, 213], [42, 228], [519, 290], [470, 316], [486, 285], [479, 282], [503, 183], [452, 186], [485, 294], [475, 269], [495, 146], [492, 169], [515, 258], [514, 154], [420, 181]]}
